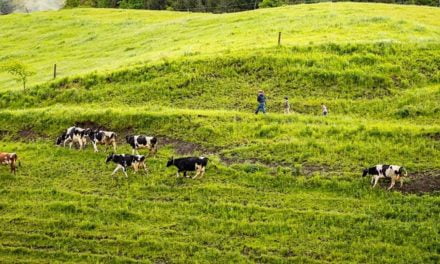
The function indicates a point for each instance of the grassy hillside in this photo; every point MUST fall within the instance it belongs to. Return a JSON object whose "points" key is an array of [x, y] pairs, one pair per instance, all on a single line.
{"points": [[83, 40], [278, 189]]}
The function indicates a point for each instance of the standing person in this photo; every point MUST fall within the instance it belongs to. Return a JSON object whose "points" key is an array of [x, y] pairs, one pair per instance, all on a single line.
{"points": [[324, 109], [286, 105], [261, 99]]}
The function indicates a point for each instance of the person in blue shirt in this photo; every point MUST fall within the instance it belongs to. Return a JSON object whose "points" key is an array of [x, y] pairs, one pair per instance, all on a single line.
{"points": [[261, 99]]}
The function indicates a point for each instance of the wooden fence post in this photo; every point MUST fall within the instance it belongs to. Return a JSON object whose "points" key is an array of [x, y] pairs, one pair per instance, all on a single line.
{"points": [[279, 38], [54, 70]]}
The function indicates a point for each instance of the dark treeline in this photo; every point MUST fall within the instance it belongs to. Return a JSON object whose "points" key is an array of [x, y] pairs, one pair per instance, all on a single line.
{"points": [[217, 6]]}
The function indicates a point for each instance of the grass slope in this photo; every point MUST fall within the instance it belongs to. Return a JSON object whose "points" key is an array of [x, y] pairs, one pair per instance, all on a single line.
{"points": [[278, 189], [83, 40]]}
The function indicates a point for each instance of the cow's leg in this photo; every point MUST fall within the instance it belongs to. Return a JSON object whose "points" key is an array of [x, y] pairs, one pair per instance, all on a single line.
{"points": [[81, 144], [197, 171], [124, 169], [135, 167], [70, 144], [144, 166], [117, 168], [197, 174], [202, 172], [178, 174], [393, 182], [401, 181], [114, 146], [12, 167], [95, 147], [376, 178], [372, 180]]}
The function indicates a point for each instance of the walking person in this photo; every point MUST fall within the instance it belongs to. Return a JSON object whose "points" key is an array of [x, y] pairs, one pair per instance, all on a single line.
{"points": [[261, 99], [324, 109], [286, 105]]}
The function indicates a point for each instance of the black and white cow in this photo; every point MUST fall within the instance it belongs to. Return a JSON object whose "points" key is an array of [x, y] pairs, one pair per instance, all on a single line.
{"points": [[197, 164], [124, 161], [102, 137], [72, 135], [140, 141], [386, 171]]}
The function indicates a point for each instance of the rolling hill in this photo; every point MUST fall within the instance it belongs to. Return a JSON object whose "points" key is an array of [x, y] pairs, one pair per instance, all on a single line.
{"points": [[278, 189], [85, 40]]}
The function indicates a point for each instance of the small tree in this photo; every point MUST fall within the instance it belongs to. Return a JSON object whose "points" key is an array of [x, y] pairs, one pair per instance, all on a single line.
{"points": [[5, 7], [19, 70]]}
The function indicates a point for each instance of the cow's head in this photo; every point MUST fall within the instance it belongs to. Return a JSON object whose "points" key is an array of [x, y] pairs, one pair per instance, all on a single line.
{"points": [[364, 172], [60, 139], [141, 158], [109, 158], [170, 161], [127, 138], [403, 172], [89, 133]]}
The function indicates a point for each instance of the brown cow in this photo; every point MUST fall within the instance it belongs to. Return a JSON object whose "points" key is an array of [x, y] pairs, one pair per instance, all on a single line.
{"points": [[9, 159]]}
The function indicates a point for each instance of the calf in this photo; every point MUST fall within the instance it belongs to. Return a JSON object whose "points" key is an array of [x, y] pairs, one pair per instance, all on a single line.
{"points": [[124, 161], [386, 171], [102, 137], [9, 159], [189, 164], [140, 141], [72, 135]]}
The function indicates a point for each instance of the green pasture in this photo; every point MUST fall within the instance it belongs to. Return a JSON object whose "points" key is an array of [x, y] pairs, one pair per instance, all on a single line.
{"points": [[278, 188], [63, 206]]}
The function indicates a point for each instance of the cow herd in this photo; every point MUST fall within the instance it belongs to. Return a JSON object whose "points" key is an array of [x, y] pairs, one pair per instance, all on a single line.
{"points": [[80, 136]]}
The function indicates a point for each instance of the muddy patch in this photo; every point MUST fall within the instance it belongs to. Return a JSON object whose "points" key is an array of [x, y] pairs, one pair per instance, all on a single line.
{"points": [[185, 148], [300, 169], [416, 183], [422, 182], [434, 136], [29, 134], [309, 169]]}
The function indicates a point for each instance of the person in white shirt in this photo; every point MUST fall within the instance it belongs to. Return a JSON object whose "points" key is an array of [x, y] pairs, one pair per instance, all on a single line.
{"points": [[324, 109]]}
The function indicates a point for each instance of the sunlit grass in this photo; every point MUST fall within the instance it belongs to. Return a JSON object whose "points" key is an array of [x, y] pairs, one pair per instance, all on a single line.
{"points": [[83, 40]]}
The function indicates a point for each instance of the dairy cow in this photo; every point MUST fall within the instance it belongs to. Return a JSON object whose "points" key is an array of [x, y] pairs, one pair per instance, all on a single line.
{"points": [[102, 137], [394, 172], [197, 164], [73, 135], [124, 161], [140, 141]]}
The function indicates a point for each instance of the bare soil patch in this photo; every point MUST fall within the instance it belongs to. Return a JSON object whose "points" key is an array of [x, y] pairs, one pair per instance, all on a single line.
{"points": [[416, 183], [183, 147], [423, 182], [309, 169]]}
